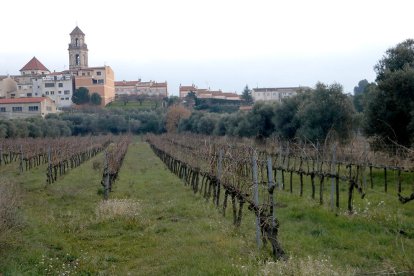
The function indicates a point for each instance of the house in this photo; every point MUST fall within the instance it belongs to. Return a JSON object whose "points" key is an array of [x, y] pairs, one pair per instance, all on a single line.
{"points": [[98, 80], [8, 87], [185, 89], [58, 86], [203, 93], [276, 94], [13, 108], [149, 88]]}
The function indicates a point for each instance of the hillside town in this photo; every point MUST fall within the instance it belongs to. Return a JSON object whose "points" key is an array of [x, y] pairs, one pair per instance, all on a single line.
{"points": [[40, 91]]}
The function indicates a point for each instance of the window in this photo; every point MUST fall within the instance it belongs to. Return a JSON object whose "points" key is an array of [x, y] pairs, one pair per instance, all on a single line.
{"points": [[49, 84], [77, 60], [83, 73], [52, 92], [17, 109], [2, 109], [33, 108], [29, 94], [67, 99], [67, 92], [99, 73], [94, 81], [76, 42], [60, 92], [62, 99], [60, 84], [47, 92], [48, 108]]}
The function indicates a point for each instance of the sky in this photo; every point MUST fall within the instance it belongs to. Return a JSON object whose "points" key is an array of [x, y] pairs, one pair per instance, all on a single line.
{"points": [[216, 44]]}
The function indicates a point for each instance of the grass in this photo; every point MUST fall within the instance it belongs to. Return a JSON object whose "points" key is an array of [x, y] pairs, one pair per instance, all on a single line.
{"points": [[154, 225]]}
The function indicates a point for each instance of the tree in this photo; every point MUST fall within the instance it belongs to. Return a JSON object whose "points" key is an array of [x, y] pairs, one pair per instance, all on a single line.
{"points": [[173, 117], [389, 108], [81, 96], [260, 120], [362, 84], [190, 99], [361, 93], [247, 95], [285, 120], [327, 110], [96, 99]]}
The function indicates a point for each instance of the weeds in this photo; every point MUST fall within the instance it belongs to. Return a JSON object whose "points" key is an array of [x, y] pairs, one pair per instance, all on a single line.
{"points": [[306, 266], [10, 201], [117, 208]]}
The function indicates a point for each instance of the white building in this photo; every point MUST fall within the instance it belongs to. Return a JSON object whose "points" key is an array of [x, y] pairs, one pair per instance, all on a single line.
{"points": [[58, 87], [149, 88], [276, 94]]}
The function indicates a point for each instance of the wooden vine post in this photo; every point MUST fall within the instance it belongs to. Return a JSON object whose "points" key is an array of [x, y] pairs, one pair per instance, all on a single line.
{"points": [[333, 167], [271, 188], [21, 158], [219, 175], [49, 166], [106, 176], [256, 198]]}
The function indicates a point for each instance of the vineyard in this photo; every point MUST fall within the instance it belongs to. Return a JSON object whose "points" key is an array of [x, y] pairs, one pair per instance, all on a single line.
{"points": [[250, 174], [286, 198], [64, 154]]}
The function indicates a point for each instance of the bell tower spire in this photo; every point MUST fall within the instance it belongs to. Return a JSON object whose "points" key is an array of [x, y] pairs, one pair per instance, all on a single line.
{"points": [[78, 50]]}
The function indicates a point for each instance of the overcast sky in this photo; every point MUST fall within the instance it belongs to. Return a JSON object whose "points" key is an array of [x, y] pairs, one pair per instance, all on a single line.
{"points": [[221, 44]]}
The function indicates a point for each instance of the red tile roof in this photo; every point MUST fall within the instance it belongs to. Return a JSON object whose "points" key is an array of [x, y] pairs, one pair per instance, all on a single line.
{"points": [[125, 83], [188, 88], [34, 64], [23, 100], [160, 84]]}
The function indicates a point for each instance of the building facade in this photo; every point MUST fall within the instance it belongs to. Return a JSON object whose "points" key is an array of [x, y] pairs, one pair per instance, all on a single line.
{"points": [[56, 86], [97, 80], [207, 93], [8, 86], [26, 107], [276, 94], [149, 88]]}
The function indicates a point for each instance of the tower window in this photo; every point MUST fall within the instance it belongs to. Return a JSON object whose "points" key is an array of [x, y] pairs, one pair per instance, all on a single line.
{"points": [[77, 57], [76, 42]]}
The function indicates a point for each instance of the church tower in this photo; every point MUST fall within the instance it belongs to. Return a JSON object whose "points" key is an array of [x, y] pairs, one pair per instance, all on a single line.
{"points": [[78, 50]]}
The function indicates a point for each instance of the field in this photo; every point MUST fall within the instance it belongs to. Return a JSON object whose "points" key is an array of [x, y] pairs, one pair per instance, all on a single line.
{"points": [[152, 224]]}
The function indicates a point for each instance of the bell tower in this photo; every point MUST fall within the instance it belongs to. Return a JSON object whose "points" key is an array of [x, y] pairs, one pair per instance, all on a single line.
{"points": [[78, 50]]}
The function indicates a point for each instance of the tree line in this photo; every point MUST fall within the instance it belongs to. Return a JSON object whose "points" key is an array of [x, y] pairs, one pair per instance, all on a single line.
{"points": [[85, 122], [311, 115]]}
